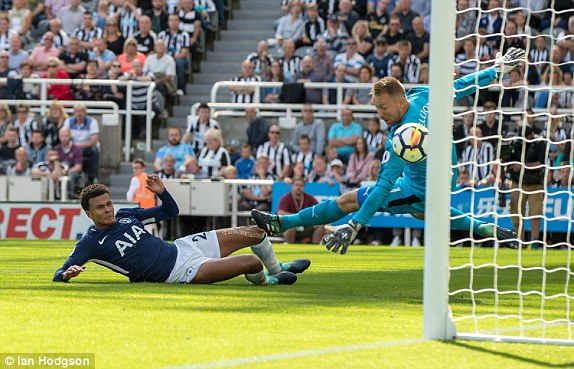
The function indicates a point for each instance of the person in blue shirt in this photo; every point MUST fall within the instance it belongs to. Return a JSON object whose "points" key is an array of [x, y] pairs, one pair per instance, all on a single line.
{"points": [[120, 242], [400, 186]]}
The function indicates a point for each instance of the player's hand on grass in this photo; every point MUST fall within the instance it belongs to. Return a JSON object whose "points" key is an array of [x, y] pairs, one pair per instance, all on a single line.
{"points": [[155, 184], [510, 60], [72, 272], [342, 237]]}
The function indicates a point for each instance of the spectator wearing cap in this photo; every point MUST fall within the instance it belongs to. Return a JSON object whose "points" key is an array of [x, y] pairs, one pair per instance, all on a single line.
{"points": [[380, 58], [312, 28], [334, 36], [351, 59], [322, 61], [337, 172], [420, 40]]}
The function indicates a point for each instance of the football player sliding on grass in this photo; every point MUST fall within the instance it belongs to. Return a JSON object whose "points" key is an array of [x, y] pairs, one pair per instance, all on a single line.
{"points": [[400, 186], [120, 242]]}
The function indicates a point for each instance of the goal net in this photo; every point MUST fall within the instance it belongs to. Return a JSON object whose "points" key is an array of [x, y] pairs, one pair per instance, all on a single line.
{"points": [[514, 146]]}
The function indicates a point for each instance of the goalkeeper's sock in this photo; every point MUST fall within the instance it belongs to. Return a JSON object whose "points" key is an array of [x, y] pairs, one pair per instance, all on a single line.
{"points": [[464, 222], [258, 278], [324, 212], [265, 253]]}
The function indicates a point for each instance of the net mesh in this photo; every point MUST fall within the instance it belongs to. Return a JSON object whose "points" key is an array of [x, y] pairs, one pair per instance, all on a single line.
{"points": [[515, 171]]}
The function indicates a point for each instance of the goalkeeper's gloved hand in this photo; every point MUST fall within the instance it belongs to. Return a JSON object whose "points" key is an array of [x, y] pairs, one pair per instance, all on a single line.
{"points": [[342, 238], [510, 60]]}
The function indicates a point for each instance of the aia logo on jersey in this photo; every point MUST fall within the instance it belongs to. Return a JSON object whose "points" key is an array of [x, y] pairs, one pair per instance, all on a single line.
{"points": [[125, 220]]}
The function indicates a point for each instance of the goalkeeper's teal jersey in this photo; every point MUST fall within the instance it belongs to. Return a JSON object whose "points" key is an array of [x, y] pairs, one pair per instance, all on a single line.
{"points": [[392, 167]]}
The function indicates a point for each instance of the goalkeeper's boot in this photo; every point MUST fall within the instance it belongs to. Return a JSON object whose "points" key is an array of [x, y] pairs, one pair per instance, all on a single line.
{"points": [[270, 223], [283, 278], [505, 237], [296, 266]]}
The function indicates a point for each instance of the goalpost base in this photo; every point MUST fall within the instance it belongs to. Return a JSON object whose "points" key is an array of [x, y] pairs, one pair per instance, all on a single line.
{"points": [[512, 339]]}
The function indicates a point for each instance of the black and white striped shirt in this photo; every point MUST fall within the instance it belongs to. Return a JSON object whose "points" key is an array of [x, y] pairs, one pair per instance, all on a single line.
{"points": [[88, 36], [128, 23], [540, 57], [210, 162], [306, 159], [174, 43], [171, 6], [315, 29], [478, 162], [290, 67], [258, 66], [241, 98], [411, 68], [198, 130], [373, 140], [466, 66], [187, 20], [279, 157], [5, 39]]}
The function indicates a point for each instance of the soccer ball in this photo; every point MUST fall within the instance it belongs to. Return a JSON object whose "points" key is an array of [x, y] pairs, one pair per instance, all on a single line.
{"points": [[410, 142]]}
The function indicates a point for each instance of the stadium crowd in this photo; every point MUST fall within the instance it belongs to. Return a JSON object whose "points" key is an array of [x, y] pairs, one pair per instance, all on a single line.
{"points": [[315, 41]]}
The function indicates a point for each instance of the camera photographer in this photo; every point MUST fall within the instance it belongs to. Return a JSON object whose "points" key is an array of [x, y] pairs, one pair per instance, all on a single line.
{"points": [[527, 171]]}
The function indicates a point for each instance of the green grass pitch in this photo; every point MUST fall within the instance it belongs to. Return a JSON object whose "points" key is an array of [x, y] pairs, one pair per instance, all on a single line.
{"points": [[360, 310]]}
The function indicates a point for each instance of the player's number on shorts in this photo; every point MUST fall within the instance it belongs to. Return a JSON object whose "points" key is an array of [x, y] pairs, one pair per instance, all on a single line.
{"points": [[201, 235]]}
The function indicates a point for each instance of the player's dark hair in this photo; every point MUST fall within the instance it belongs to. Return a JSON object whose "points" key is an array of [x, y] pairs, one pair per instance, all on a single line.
{"points": [[90, 192], [388, 85]]}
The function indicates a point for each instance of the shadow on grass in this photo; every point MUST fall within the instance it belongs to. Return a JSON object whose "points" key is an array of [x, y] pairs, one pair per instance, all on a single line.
{"points": [[498, 352]]}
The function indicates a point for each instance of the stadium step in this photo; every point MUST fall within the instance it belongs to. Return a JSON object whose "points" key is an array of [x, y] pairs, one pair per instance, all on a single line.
{"points": [[218, 66], [242, 35], [231, 56], [236, 46]]}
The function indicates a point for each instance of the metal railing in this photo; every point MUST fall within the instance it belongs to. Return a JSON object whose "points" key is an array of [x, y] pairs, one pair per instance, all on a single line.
{"points": [[235, 183], [128, 112]]}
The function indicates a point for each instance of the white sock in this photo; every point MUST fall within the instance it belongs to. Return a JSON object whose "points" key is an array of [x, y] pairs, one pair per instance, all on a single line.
{"points": [[265, 253], [258, 278]]}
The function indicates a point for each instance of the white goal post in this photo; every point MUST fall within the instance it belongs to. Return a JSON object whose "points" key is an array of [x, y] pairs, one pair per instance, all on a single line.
{"points": [[508, 319]]}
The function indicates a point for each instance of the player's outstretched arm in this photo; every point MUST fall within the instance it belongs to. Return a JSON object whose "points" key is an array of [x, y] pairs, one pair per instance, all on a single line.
{"points": [[510, 60], [168, 208], [155, 184], [72, 272]]}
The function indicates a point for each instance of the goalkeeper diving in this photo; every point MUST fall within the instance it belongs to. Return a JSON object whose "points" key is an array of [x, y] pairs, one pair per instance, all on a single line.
{"points": [[400, 186]]}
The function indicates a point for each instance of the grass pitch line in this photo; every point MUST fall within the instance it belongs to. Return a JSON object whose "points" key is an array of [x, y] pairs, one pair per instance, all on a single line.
{"points": [[297, 354]]}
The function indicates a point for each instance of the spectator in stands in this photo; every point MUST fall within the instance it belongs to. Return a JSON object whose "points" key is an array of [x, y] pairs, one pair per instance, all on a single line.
{"points": [[322, 61], [336, 172], [373, 135], [320, 172], [25, 124], [515, 93], [113, 36], [489, 127], [397, 71], [85, 133], [351, 59], [128, 15], [360, 33], [291, 203], [258, 196], [405, 14], [556, 134], [241, 94], [261, 59], [145, 36], [491, 23], [5, 122], [377, 17], [478, 156], [71, 16], [291, 63], [53, 7], [101, 14], [53, 122], [192, 170], [6, 33], [510, 37], [175, 147], [18, 18], [257, 130], [167, 170], [307, 73], [213, 156], [566, 39], [380, 58], [409, 62], [130, 54], [246, 163], [90, 92], [61, 38], [52, 168], [138, 192], [330, 94], [291, 26], [54, 71], [162, 67], [394, 34], [16, 54], [74, 59], [304, 155], [21, 167], [102, 55], [8, 149], [358, 165], [465, 21], [462, 131], [566, 96], [313, 27], [272, 74], [347, 16], [72, 156], [113, 92], [344, 134], [466, 62], [5, 72], [331, 154], [278, 154], [88, 32], [313, 128], [334, 36], [42, 52], [198, 126], [420, 40], [564, 179], [361, 96], [37, 149], [158, 16]]}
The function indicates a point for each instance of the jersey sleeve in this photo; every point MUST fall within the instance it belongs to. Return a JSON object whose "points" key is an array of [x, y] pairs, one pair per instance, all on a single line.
{"points": [[167, 210], [467, 85], [390, 170], [79, 256]]}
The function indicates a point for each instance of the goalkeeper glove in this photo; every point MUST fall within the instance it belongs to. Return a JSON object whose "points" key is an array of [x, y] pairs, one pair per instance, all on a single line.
{"points": [[510, 60], [342, 238]]}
